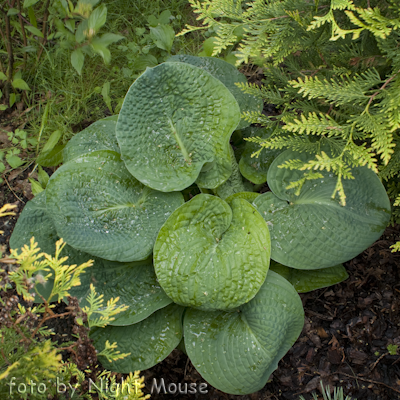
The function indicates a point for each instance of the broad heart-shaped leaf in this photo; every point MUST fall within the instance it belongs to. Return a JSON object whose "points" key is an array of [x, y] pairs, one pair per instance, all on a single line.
{"points": [[98, 207], [237, 351], [307, 280], [211, 256], [134, 283], [312, 230], [175, 118], [255, 169], [148, 341], [229, 76], [98, 136]]}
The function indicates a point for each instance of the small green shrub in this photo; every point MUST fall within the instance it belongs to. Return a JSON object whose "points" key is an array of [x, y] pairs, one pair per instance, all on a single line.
{"points": [[31, 364], [157, 199]]}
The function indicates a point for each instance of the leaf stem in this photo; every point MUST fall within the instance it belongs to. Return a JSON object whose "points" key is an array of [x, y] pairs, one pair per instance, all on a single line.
{"points": [[23, 32]]}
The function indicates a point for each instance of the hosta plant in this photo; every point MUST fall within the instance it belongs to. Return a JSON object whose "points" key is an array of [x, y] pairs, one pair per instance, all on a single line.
{"points": [[156, 197]]}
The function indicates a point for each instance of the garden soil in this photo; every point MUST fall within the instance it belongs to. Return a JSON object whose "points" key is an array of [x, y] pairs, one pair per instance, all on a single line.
{"points": [[349, 337]]}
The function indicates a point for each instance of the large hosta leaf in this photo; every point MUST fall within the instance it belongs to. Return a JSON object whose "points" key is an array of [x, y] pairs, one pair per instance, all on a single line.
{"points": [[148, 341], [229, 76], [237, 351], [134, 283], [35, 221], [175, 118], [211, 256], [255, 169], [307, 280], [312, 230], [98, 136], [98, 207]]}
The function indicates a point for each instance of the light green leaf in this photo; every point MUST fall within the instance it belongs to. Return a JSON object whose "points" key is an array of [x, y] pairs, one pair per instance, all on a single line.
{"points": [[148, 341], [109, 38], [14, 161], [51, 158], [105, 91], [20, 84], [145, 60], [29, 3], [208, 46], [43, 177], [100, 49], [229, 76], [255, 169], [77, 60], [52, 140], [211, 256], [12, 11], [237, 351], [70, 24], [81, 31], [35, 187], [307, 280], [13, 99], [313, 230], [134, 283], [163, 36], [3, 107], [98, 136], [98, 207], [34, 30], [167, 138], [32, 16], [3, 76], [97, 18]]}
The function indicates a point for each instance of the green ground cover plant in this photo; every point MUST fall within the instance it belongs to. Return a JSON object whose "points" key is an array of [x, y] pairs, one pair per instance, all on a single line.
{"points": [[156, 198]]}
